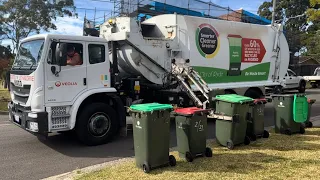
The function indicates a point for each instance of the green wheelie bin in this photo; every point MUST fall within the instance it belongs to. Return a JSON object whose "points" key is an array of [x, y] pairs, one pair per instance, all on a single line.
{"points": [[151, 135], [191, 130], [308, 123], [255, 126], [290, 112], [232, 132]]}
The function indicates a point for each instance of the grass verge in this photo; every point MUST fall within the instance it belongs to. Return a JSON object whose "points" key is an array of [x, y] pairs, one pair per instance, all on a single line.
{"points": [[4, 98], [278, 157]]}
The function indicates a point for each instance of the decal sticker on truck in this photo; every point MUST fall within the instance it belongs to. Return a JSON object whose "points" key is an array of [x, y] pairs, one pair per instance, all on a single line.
{"points": [[207, 39], [58, 84]]}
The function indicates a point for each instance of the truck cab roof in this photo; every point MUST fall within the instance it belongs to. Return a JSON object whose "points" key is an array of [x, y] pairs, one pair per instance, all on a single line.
{"points": [[66, 37]]}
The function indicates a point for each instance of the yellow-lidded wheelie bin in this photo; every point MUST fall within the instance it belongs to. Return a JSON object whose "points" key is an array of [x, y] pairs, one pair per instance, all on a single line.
{"points": [[191, 130], [151, 135], [232, 132], [308, 123], [255, 126], [290, 112]]}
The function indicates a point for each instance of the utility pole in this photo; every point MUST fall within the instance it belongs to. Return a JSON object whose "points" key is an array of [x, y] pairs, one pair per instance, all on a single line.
{"points": [[273, 12]]}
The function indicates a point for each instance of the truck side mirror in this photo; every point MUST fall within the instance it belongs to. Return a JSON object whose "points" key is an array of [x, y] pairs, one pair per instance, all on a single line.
{"points": [[61, 54]]}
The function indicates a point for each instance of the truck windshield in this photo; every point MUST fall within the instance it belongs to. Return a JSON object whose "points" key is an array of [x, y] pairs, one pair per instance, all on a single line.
{"points": [[29, 55]]}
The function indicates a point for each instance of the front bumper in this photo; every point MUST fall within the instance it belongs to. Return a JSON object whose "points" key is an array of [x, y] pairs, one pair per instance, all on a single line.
{"points": [[33, 122]]}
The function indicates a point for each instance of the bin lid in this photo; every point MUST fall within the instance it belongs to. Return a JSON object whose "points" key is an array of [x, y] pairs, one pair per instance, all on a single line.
{"points": [[150, 107], [234, 98], [311, 101], [300, 109], [260, 101], [188, 111]]}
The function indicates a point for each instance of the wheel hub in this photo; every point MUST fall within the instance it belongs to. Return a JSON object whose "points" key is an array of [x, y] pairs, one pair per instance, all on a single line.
{"points": [[99, 124]]}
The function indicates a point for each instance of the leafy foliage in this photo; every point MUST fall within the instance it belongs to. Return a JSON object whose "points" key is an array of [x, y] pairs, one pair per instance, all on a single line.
{"points": [[314, 11], [293, 27], [19, 18]]}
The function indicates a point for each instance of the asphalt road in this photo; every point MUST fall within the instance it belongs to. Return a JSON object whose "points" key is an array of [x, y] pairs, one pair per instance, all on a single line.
{"points": [[23, 156]]}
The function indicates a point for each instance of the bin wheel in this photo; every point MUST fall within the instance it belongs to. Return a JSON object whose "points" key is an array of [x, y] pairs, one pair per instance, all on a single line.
{"points": [[287, 132], [189, 157], [146, 167], [230, 144], [302, 130], [247, 140], [309, 124], [208, 152], [253, 137], [265, 134], [172, 160]]}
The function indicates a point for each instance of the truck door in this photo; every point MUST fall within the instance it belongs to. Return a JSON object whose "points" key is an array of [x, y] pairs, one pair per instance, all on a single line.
{"points": [[98, 67], [70, 81]]}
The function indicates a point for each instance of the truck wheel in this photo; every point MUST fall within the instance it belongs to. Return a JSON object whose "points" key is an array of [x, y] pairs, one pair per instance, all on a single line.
{"points": [[96, 124], [302, 87]]}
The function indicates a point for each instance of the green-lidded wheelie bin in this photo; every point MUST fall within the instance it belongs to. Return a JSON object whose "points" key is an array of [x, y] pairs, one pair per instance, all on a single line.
{"points": [[151, 135], [308, 123], [255, 126], [191, 130], [290, 112], [232, 132]]}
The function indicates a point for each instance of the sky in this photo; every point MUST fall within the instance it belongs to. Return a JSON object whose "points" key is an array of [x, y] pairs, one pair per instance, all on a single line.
{"points": [[73, 25]]}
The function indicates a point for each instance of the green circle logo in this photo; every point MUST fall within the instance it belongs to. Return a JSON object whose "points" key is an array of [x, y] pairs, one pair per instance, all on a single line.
{"points": [[207, 40]]}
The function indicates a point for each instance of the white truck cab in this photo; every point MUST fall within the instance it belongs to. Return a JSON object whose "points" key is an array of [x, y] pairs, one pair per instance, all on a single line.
{"points": [[50, 96]]}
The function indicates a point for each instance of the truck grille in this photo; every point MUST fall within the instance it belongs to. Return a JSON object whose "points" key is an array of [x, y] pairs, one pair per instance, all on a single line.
{"points": [[59, 117], [21, 94], [59, 122]]}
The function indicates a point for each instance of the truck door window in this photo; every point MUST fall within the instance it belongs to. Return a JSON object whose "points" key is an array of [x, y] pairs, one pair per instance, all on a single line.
{"points": [[96, 53], [75, 54]]}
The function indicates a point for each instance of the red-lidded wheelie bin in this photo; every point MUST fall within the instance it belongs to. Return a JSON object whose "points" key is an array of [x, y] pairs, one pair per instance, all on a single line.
{"points": [[191, 130]]}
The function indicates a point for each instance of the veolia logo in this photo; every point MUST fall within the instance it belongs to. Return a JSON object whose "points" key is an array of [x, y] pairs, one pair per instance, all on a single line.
{"points": [[207, 40], [58, 83]]}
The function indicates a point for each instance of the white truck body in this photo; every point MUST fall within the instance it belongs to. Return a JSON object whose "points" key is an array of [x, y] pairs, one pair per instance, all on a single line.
{"points": [[225, 42], [311, 78]]}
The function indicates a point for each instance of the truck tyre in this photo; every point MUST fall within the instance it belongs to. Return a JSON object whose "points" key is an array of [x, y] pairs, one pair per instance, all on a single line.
{"points": [[302, 87], [96, 124]]}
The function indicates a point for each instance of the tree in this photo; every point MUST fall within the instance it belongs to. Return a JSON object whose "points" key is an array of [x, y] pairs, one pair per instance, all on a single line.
{"points": [[312, 44], [314, 11], [20, 18], [293, 27]]}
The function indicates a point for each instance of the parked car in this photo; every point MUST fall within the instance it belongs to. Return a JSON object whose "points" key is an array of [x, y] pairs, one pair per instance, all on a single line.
{"points": [[290, 82]]}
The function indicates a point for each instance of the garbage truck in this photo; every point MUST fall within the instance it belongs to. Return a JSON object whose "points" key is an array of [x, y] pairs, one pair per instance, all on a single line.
{"points": [[169, 58]]}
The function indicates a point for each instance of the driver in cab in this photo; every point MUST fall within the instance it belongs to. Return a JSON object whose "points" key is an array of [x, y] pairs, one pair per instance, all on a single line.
{"points": [[73, 58]]}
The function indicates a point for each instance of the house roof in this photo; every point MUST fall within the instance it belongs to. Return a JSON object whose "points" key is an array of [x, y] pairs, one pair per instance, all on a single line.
{"points": [[304, 59]]}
